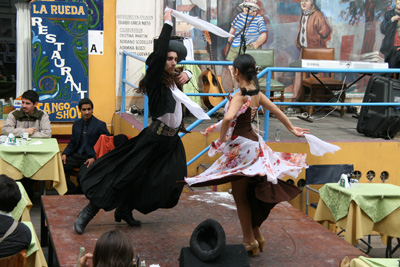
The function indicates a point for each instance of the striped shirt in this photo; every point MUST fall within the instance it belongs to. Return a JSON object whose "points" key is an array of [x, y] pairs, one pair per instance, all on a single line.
{"points": [[253, 31]]}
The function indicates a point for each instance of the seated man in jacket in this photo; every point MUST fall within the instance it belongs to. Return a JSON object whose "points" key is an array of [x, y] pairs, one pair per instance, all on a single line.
{"points": [[28, 118], [19, 238], [80, 151]]}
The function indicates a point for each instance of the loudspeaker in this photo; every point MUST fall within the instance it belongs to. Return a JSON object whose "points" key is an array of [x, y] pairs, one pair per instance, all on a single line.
{"points": [[380, 121], [232, 256]]}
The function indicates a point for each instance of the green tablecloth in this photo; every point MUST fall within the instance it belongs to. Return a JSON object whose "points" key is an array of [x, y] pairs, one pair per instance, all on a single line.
{"points": [[376, 200], [29, 158], [34, 245], [19, 209], [380, 262]]}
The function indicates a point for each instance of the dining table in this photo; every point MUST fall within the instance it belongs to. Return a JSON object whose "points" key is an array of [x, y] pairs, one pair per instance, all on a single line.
{"points": [[34, 254], [374, 262], [38, 159], [361, 209]]}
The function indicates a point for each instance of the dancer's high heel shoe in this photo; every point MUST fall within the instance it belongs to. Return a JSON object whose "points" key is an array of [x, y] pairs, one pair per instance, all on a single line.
{"points": [[252, 246], [261, 243], [124, 213]]}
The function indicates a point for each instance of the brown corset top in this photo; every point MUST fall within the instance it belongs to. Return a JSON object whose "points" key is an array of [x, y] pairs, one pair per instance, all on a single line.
{"points": [[243, 124]]}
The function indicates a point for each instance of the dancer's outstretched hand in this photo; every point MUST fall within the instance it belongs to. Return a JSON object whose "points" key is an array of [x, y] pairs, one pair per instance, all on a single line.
{"points": [[299, 132]]}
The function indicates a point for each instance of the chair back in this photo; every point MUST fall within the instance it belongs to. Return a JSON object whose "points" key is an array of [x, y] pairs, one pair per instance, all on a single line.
{"points": [[318, 53], [330, 173], [322, 87], [16, 260], [264, 57]]}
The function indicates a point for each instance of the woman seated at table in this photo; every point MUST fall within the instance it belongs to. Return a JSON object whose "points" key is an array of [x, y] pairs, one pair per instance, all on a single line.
{"points": [[14, 236]]}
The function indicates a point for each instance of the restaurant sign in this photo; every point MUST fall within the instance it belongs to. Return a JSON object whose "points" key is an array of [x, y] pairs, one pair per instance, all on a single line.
{"points": [[60, 57]]}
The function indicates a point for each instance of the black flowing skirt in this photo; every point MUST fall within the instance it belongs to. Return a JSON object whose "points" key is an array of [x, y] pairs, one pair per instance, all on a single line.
{"points": [[144, 173]]}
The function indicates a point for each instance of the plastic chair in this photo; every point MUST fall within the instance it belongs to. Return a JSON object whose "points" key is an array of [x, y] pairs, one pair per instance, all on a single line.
{"points": [[265, 58], [16, 260], [327, 88], [322, 174]]}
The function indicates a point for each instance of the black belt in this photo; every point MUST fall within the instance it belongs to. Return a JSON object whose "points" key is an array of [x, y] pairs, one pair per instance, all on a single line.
{"points": [[159, 128]]}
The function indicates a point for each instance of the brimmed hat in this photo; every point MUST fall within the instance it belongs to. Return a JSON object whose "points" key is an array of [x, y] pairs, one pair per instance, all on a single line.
{"points": [[174, 45], [208, 240], [250, 3], [179, 48]]}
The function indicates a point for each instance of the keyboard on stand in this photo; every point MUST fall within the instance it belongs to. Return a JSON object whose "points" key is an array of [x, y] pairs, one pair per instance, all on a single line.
{"points": [[337, 64]]}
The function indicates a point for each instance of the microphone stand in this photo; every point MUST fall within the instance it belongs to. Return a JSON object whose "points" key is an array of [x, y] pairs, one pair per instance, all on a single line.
{"points": [[242, 36]]}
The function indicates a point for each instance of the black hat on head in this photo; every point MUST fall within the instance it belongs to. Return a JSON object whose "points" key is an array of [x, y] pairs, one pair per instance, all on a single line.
{"points": [[179, 48], [174, 45]]}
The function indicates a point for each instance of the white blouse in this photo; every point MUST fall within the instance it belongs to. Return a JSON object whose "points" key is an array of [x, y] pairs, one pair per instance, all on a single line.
{"points": [[174, 120]]}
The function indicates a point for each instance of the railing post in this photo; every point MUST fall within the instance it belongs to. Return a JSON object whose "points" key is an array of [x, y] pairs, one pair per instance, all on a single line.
{"points": [[123, 88], [146, 111], [146, 108], [266, 112]]}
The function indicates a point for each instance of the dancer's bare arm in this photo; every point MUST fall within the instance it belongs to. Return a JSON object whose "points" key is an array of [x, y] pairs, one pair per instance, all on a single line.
{"points": [[268, 104]]}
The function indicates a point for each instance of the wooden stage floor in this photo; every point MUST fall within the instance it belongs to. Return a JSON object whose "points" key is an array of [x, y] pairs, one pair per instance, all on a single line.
{"points": [[292, 238]]}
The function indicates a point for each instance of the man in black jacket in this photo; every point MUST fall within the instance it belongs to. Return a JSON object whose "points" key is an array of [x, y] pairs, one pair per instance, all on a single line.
{"points": [[80, 150]]}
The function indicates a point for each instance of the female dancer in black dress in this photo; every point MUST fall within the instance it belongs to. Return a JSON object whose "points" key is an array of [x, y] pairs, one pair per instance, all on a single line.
{"points": [[143, 173]]}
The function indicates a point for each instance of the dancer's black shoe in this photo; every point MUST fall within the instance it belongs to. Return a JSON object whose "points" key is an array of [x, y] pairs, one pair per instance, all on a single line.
{"points": [[123, 212], [84, 217]]}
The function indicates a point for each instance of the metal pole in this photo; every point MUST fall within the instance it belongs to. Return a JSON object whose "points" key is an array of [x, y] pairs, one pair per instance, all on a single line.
{"points": [[123, 83]]}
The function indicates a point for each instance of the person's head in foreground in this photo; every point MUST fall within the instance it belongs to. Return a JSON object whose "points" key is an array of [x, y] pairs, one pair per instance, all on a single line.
{"points": [[9, 194], [113, 248]]}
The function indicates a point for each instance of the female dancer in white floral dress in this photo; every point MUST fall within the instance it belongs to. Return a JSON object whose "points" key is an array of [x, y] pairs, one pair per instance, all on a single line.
{"points": [[253, 169]]}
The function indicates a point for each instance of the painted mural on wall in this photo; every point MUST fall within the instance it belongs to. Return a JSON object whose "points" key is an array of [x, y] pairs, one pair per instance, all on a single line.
{"points": [[60, 57], [358, 30]]}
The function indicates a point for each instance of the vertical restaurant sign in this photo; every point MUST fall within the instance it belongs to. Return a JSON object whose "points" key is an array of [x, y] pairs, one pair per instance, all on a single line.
{"points": [[60, 57]]}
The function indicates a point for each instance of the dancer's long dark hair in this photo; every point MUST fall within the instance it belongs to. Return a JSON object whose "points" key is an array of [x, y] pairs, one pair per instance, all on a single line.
{"points": [[246, 65], [168, 80]]}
